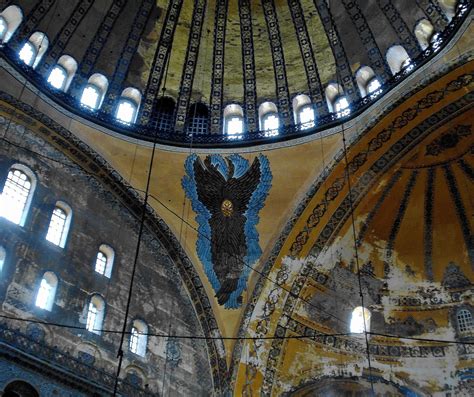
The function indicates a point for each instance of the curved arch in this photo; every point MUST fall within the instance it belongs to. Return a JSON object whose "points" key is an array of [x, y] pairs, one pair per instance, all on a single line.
{"points": [[397, 58], [198, 119], [424, 32], [304, 113], [62, 74], [449, 7], [19, 388], [367, 81], [17, 194], [269, 118], [95, 314], [138, 337], [59, 224], [47, 291], [163, 116], [94, 92], [233, 119], [128, 104], [34, 49], [13, 16], [105, 260]]}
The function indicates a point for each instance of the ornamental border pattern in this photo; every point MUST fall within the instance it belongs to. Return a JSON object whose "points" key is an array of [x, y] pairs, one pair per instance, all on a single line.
{"points": [[90, 161], [189, 67], [159, 62]]}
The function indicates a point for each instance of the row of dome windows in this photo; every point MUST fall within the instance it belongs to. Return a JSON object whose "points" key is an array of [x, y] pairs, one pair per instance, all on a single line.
{"points": [[15, 201], [95, 90]]}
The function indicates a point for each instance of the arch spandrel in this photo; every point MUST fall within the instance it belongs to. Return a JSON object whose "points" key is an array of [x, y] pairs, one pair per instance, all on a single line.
{"points": [[392, 159]]}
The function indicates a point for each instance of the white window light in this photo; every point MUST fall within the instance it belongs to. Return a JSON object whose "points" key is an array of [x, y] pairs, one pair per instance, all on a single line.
{"points": [[59, 225], [341, 106], [57, 77], [27, 53], [95, 314], [307, 117], [101, 263], [271, 124], [126, 111], [90, 97], [47, 291], [105, 260], [3, 255], [465, 322], [373, 85], [360, 321], [14, 199], [407, 65], [138, 338], [3, 28], [235, 125]]}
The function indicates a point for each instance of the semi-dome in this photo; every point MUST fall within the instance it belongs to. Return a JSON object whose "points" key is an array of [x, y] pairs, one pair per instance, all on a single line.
{"points": [[133, 58]]}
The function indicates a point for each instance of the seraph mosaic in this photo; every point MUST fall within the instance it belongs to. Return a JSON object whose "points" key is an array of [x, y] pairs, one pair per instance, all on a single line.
{"points": [[227, 195]]}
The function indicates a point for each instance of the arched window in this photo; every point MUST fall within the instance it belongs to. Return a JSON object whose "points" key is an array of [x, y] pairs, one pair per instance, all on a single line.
{"points": [[337, 101], [138, 338], [367, 82], [62, 74], [95, 314], [465, 323], [360, 320], [233, 120], [59, 224], [19, 388], [304, 111], [34, 49], [198, 119], [47, 291], [128, 105], [105, 260], [94, 92], [269, 120], [17, 193], [10, 19], [398, 59], [424, 32], [164, 114], [449, 7], [3, 255]]}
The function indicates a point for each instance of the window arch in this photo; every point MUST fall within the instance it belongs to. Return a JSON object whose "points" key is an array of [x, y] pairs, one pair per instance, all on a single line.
{"points": [[198, 119], [95, 314], [360, 320], [138, 338], [94, 92], [47, 291], [34, 49], [304, 111], [449, 7], [62, 74], [465, 322], [105, 260], [398, 59], [59, 224], [17, 194], [367, 82], [18, 388], [128, 104], [3, 255], [233, 120], [164, 114], [424, 33], [268, 117], [10, 19], [337, 101]]}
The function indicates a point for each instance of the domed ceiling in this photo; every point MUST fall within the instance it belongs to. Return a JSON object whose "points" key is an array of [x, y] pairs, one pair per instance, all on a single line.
{"points": [[220, 52]]}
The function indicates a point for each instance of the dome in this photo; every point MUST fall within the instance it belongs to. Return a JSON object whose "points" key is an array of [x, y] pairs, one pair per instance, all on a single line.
{"points": [[212, 54]]}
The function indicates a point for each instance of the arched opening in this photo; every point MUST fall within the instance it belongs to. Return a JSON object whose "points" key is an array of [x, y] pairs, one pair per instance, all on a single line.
{"points": [[34, 49], [17, 194], [398, 59], [62, 74], [337, 101], [47, 291], [95, 314], [59, 224], [269, 120], [449, 7], [304, 111], [19, 388], [164, 114], [94, 92], [198, 119], [233, 120], [128, 104], [105, 260], [367, 82], [424, 33], [465, 322], [10, 18], [360, 320], [138, 338]]}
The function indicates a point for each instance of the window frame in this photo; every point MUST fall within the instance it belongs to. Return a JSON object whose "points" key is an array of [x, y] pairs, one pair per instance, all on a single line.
{"points": [[308, 124], [109, 254], [99, 316], [458, 323], [98, 100], [66, 74], [121, 100], [33, 181], [66, 226], [33, 57], [269, 132], [355, 328], [51, 295], [140, 337]]}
